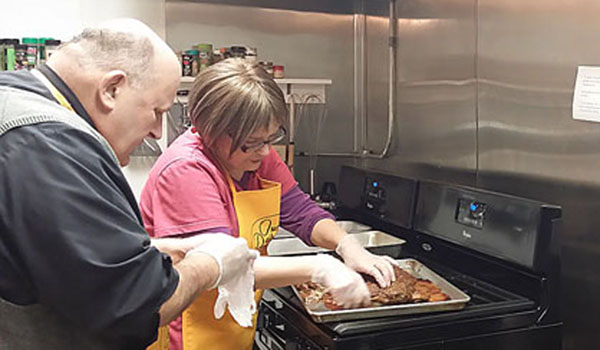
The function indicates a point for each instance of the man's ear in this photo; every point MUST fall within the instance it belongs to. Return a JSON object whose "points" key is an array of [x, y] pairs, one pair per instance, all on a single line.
{"points": [[110, 86]]}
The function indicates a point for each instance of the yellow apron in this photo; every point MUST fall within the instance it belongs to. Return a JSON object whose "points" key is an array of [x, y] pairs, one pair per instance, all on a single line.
{"points": [[257, 214]]}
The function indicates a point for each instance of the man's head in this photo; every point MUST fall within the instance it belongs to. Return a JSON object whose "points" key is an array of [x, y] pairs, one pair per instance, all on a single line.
{"points": [[125, 76]]}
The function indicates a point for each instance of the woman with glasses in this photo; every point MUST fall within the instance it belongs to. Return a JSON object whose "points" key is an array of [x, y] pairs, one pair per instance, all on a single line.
{"points": [[222, 175]]}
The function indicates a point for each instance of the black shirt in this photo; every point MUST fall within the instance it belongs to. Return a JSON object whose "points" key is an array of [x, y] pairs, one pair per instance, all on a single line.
{"points": [[71, 235]]}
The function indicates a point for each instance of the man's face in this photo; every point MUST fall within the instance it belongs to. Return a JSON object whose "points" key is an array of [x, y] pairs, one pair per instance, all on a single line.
{"points": [[138, 113]]}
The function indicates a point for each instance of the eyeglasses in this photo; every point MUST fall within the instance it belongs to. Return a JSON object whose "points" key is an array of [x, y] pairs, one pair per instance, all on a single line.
{"points": [[255, 146]]}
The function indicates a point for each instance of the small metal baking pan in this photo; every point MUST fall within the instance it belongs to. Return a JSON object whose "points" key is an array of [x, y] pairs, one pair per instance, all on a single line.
{"points": [[458, 299], [367, 239], [352, 226]]}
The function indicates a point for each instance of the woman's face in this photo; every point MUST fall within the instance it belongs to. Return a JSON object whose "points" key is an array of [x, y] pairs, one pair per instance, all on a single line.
{"points": [[250, 155]]}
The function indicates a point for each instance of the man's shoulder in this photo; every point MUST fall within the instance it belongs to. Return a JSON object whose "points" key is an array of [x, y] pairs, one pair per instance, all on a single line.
{"points": [[53, 139]]}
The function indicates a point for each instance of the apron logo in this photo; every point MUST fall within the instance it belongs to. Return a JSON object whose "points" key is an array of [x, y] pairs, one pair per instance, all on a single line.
{"points": [[264, 229]]}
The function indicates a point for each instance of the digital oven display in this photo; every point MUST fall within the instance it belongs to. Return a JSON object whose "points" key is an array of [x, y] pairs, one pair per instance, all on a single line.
{"points": [[471, 213]]}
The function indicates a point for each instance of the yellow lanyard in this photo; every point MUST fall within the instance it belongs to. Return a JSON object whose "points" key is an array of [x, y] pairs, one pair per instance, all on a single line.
{"points": [[53, 90]]}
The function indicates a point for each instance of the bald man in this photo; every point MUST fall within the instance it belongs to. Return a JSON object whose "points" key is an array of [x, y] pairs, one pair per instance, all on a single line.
{"points": [[77, 269]]}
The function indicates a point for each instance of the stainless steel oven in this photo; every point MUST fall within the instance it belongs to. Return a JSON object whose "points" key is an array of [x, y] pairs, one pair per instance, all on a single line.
{"points": [[501, 250]]}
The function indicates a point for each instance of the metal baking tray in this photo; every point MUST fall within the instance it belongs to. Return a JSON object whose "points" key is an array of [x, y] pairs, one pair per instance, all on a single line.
{"points": [[458, 299]]}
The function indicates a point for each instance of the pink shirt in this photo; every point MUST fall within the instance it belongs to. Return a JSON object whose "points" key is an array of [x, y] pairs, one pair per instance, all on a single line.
{"points": [[186, 193]]}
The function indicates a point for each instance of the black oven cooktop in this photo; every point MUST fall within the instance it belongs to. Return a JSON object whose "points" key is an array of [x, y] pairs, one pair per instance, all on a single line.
{"points": [[500, 250]]}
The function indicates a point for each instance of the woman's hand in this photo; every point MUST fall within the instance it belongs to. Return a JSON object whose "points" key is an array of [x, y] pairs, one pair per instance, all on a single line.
{"points": [[345, 285], [359, 259]]}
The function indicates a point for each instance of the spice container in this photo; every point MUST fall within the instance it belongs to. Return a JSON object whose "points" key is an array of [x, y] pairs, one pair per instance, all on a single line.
{"points": [[217, 55], [238, 51], [267, 66], [42, 50], [2, 55], [7, 54], [20, 57], [204, 56], [251, 55], [278, 72], [31, 52], [186, 65], [194, 61], [49, 48]]}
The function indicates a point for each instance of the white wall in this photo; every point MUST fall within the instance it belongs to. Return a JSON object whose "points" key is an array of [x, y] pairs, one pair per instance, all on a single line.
{"points": [[62, 19]]}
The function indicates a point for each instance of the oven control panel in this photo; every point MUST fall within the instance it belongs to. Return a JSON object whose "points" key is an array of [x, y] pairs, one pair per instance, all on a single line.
{"points": [[385, 197], [374, 195], [471, 213], [496, 224]]}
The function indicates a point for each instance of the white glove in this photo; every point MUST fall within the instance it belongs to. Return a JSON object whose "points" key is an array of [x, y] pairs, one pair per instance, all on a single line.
{"points": [[345, 285], [238, 295], [359, 259], [236, 274]]}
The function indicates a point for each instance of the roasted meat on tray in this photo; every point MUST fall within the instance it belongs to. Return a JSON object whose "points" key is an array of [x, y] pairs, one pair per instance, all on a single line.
{"points": [[405, 289]]}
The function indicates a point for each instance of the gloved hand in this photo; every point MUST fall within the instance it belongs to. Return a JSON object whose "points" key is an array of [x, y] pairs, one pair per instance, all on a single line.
{"points": [[236, 277], [359, 259], [345, 285]]}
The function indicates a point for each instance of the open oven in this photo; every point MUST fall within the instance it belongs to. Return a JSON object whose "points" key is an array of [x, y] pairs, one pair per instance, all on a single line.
{"points": [[500, 250]]}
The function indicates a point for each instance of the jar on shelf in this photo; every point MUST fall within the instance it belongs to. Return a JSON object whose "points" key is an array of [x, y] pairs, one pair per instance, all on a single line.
{"points": [[204, 56], [32, 45], [194, 61], [9, 53], [217, 56], [186, 65], [2, 55], [278, 72], [267, 66], [20, 57], [251, 55], [238, 51], [42, 50], [52, 47]]}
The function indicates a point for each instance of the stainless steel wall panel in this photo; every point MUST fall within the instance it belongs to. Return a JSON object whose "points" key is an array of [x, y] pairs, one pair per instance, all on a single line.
{"points": [[308, 44], [436, 98], [529, 145]]}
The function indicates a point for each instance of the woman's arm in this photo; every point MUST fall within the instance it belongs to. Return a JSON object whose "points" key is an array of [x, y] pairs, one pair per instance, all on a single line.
{"points": [[345, 285]]}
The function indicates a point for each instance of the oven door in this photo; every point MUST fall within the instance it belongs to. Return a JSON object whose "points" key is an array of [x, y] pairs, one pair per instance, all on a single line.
{"points": [[273, 332]]}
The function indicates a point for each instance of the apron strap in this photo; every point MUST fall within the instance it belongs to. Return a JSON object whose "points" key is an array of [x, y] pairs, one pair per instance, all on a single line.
{"points": [[53, 90]]}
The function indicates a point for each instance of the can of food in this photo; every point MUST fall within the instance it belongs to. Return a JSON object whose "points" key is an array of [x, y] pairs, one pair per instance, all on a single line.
{"points": [[238, 51], [251, 55], [31, 52], [195, 60], [50, 48], [278, 72], [9, 52], [186, 65], [204, 56], [20, 57]]}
